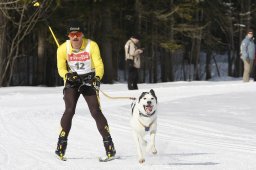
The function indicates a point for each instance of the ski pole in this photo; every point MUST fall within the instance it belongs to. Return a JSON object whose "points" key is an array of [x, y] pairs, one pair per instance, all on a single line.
{"points": [[54, 37], [37, 4]]}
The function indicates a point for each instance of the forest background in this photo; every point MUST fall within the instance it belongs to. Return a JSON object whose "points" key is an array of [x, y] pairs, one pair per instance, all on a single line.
{"points": [[183, 39]]}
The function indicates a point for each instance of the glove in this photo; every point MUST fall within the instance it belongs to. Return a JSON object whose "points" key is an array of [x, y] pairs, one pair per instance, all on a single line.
{"points": [[96, 82], [72, 77]]}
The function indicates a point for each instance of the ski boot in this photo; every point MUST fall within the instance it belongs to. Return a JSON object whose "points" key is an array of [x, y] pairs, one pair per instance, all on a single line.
{"points": [[109, 147], [61, 146]]}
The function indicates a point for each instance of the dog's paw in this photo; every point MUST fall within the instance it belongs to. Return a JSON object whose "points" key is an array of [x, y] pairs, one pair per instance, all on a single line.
{"points": [[151, 149], [154, 151], [141, 161]]}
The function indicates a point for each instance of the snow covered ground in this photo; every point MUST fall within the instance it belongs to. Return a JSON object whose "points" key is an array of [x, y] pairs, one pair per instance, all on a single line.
{"points": [[201, 126]]}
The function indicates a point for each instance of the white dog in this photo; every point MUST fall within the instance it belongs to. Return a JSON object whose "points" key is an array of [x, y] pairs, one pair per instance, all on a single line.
{"points": [[144, 120]]}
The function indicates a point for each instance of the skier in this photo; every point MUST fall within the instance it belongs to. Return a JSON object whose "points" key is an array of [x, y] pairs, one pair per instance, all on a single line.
{"points": [[80, 65]]}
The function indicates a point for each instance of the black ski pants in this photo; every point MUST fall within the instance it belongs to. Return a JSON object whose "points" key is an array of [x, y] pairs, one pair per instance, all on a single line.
{"points": [[71, 96], [133, 76]]}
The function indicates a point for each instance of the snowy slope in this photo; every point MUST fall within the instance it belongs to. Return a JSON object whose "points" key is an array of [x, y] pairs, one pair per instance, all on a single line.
{"points": [[201, 125]]}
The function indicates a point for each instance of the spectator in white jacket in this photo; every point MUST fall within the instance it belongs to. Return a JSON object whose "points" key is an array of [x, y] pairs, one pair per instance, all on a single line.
{"points": [[132, 57]]}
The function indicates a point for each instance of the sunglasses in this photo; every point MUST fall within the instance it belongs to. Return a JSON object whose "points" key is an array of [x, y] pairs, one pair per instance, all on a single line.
{"points": [[73, 34]]}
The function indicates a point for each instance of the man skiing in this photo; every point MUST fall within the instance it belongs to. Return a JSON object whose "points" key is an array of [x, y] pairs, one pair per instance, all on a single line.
{"points": [[80, 65]]}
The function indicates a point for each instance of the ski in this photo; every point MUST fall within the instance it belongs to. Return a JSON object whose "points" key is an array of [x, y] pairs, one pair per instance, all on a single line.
{"points": [[106, 159], [101, 159], [62, 158]]}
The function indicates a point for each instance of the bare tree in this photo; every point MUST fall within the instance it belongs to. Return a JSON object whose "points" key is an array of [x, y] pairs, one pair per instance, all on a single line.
{"points": [[2, 37], [21, 16]]}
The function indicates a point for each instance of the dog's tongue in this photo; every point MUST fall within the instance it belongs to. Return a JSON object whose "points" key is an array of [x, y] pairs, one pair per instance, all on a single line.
{"points": [[148, 109]]}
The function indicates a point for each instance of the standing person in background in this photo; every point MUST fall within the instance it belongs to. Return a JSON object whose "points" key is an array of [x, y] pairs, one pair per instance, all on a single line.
{"points": [[254, 70], [80, 65], [247, 54], [132, 57]]}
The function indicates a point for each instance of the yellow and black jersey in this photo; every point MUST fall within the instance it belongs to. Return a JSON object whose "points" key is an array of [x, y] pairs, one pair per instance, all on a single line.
{"points": [[85, 60]]}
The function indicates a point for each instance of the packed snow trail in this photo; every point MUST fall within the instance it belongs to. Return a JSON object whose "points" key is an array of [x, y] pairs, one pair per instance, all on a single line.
{"points": [[201, 125]]}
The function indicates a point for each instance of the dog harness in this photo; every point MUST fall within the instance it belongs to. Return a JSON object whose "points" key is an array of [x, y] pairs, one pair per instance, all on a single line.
{"points": [[147, 128]]}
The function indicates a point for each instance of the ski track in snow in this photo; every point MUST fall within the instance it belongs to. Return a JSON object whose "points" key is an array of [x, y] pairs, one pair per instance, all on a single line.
{"points": [[200, 126]]}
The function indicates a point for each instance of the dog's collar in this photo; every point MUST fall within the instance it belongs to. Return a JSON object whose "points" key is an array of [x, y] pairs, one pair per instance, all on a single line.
{"points": [[141, 114], [147, 127]]}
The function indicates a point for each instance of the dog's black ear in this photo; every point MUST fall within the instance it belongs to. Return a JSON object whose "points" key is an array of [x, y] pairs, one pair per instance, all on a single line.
{"points": [[132, 106], [142, 95], [153, 93]]}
